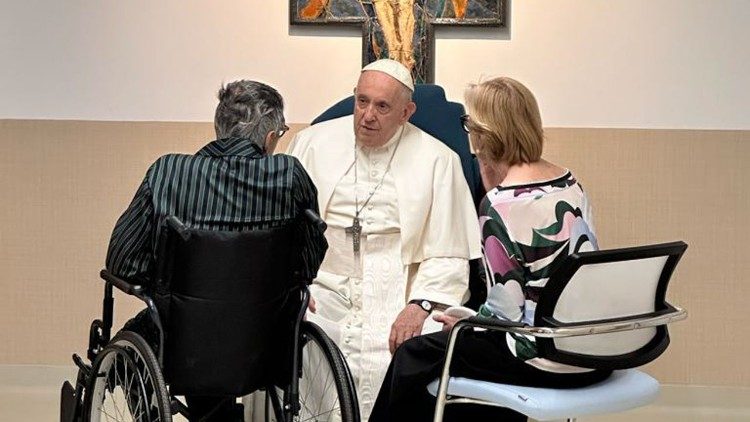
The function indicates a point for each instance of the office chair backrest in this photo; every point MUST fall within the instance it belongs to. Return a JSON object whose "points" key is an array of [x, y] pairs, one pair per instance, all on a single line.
{"points": [[224, 307], [436, 116], [602, 286]]}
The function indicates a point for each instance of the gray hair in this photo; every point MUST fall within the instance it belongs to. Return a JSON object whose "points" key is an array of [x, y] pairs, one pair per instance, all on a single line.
{"points": [[407, 94], [248, 109]]}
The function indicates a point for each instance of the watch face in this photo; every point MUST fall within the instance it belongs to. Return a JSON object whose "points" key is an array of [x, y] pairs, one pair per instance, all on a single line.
{"points": [[426, 305]]}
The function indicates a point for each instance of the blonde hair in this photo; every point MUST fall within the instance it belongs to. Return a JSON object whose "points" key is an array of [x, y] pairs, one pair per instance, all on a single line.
{"points": [[505, 121]]}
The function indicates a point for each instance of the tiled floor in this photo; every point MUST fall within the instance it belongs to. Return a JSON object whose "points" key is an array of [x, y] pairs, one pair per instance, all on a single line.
{"points": [[32, 393]]}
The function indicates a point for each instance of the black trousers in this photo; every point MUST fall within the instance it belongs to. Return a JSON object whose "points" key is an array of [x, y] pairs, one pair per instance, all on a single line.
{"points": [[480, 355]]}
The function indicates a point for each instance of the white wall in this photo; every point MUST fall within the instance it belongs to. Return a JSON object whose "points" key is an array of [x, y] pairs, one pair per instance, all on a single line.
{"points": [[591, 63]]}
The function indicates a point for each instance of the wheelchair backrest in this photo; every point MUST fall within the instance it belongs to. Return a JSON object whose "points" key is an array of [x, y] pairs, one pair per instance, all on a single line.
{"points": [[224, 295], [605, 286]]}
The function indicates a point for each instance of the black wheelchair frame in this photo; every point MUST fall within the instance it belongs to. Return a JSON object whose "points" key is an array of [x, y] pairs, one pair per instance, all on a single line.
{"points": [[72, 397]]}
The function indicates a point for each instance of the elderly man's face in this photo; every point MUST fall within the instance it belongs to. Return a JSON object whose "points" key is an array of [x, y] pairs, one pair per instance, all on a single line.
{"points": [[380, 108]]}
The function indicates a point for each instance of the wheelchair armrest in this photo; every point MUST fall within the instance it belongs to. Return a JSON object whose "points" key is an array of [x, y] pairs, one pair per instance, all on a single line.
{"points": [[179, 227], [122, 285], [315, 219], [133, 290]]}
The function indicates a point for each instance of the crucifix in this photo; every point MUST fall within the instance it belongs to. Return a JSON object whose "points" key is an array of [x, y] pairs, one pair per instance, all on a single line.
{"points": [[356, 231], [401, 30]]}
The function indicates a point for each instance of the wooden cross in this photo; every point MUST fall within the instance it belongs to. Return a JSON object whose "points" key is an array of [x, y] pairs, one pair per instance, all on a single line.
{"points": [[399, 29]]}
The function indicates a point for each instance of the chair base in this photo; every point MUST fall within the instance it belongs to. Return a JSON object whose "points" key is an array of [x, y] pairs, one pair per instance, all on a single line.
{"points": [[623, 390]]}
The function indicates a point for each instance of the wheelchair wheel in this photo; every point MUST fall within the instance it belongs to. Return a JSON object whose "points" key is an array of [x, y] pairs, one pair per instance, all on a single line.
{"points": [[326, 389], [126, 384]]}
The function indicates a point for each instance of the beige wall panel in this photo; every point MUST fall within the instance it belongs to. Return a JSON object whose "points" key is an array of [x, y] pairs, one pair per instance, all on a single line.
{"points": [[650, 186], [64, 183]]}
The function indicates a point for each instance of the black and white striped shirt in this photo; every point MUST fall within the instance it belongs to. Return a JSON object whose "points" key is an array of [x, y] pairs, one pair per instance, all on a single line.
{"points": [[228, 185]]}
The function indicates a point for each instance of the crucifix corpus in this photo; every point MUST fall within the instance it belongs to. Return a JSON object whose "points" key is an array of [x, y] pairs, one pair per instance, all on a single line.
{"points": [[401, 30]]}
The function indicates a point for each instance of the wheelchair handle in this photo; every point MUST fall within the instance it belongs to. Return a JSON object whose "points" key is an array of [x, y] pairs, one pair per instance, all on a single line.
{"points": [[315, 219], [179, 227]]}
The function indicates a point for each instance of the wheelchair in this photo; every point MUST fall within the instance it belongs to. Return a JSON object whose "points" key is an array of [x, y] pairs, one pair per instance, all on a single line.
{"points": [[227, 321]]}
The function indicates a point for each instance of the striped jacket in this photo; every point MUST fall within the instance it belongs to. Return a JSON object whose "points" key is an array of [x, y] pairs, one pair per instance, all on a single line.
{"points": [[228, 185]]}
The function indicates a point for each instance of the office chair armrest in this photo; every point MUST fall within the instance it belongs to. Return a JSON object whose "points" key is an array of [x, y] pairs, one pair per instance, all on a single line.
{"points": [[492, 323], [560, 330], [613, 325]]}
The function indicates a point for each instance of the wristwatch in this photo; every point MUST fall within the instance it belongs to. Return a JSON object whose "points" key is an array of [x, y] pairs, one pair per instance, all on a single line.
{"points": [[425, 304]]}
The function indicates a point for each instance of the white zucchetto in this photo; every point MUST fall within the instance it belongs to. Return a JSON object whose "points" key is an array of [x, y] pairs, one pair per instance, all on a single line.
{"points": [[393, 69]]}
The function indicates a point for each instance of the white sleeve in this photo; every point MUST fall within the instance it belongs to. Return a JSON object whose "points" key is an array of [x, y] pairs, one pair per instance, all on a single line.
{"points": [[442, 280]]}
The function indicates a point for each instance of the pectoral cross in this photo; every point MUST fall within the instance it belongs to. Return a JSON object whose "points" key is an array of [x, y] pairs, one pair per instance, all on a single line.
{"points": [[356, 231], [399, 29]]}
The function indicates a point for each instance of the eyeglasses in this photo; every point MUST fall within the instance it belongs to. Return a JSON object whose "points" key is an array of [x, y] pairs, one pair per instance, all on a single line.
{"points": [[282, 131], [465, 123]]}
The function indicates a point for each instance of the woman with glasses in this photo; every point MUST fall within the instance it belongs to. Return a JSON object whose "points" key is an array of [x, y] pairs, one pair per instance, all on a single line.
{"points": [[534, 214]]}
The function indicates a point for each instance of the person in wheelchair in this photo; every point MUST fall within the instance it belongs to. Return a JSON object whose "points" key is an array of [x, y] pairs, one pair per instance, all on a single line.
{"points": [[232, 183], [534, 214]]}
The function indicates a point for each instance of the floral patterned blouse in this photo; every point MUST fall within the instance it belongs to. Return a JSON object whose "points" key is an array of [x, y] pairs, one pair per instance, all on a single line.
{"points": [[526, 231]]}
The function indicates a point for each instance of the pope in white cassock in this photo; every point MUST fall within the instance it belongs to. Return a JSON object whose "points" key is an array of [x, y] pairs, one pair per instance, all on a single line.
{"points": [[401, 225]]}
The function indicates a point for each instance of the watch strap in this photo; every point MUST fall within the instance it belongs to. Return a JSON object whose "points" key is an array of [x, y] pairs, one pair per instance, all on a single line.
{"points": [[425, 304]]}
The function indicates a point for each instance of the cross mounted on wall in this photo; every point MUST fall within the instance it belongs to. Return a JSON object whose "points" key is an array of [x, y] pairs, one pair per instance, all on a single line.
{"points": [[401, 30]]}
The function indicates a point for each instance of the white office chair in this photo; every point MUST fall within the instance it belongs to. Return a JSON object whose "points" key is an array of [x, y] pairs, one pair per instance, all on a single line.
{"points": [[602, 310]]}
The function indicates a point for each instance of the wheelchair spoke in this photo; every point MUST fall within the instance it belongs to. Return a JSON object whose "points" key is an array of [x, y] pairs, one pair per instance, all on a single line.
{"points": [[109, 416], [147, 402], [136, 409], [316, 415], [123, 399], [125, 384], [319, 416], [115, 413], [319, 398], [118, 382], [127, 387], [318, 367], [324, 392]]}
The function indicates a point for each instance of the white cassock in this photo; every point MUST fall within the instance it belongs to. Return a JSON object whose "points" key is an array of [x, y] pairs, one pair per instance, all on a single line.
{"points": [[419, 229]]}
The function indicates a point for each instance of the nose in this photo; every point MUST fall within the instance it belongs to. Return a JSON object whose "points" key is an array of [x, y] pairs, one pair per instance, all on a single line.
{"points": [[369, 113]]}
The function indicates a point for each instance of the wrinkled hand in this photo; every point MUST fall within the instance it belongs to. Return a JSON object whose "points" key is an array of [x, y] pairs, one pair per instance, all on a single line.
{"points": [[407, 325], [311, 305], [310, 308], [448, 321]]}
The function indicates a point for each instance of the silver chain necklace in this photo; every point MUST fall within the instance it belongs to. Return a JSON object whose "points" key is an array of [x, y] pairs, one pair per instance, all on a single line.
{"points": [[356, 228]]}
